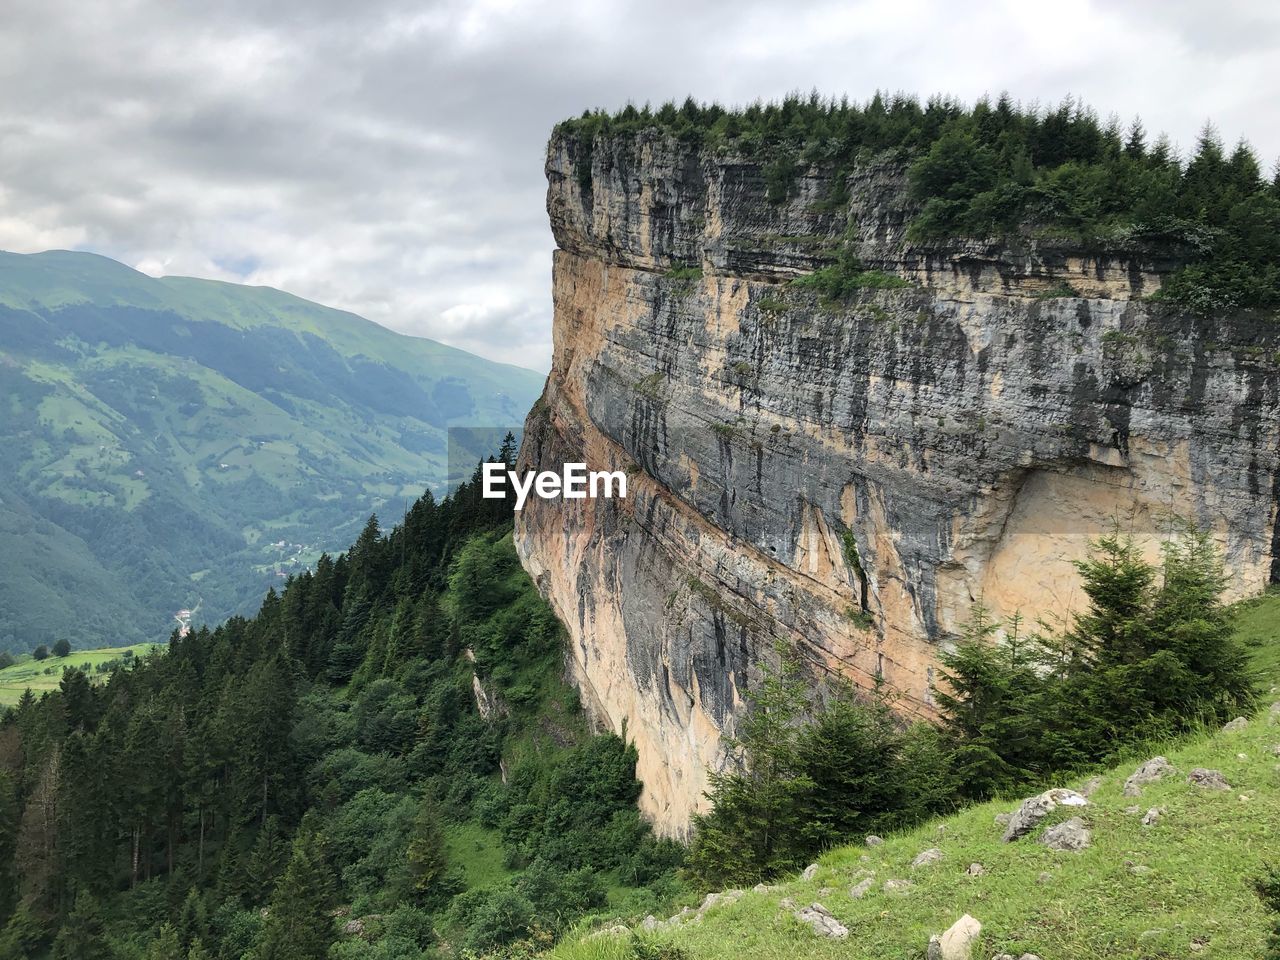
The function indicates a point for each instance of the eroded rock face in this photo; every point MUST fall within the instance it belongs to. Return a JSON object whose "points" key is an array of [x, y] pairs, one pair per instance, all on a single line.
{"points": [[844, 482]]}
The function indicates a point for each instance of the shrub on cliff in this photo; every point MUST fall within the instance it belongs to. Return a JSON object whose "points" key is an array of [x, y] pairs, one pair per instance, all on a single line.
{"points": [[1002, 169], [798, 787], [1153, 655]]}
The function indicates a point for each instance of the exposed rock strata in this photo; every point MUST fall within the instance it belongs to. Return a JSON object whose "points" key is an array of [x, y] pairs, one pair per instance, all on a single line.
{"points": [[845, 482]]}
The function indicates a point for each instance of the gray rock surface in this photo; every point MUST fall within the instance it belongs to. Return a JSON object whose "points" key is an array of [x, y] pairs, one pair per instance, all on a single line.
{"points": [[1070, 835], [927, 858], [930, 432], [822, 921], [862, 888], [958, 942], [1208, 779], [1236, 725], [1150, 771], [810, 872], [1034, 809], [1152, 816]]}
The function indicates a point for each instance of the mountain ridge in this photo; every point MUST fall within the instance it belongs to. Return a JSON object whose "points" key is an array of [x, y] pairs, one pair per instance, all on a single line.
{"points": [[243, 430]]}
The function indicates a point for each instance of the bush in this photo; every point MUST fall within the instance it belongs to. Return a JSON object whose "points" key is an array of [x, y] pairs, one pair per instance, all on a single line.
{"points": [[41, 652], [62, 648]]}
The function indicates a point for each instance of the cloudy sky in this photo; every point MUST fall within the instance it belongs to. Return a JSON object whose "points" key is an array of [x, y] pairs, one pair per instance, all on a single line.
{"points": [[385, 156]]}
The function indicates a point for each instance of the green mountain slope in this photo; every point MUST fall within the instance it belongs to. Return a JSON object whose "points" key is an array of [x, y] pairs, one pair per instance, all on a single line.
{"points": [[180, 444], [1182, 886]]}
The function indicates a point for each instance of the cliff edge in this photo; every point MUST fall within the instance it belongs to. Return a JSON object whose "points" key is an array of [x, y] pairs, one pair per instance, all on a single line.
{"points": [[845, 478]]}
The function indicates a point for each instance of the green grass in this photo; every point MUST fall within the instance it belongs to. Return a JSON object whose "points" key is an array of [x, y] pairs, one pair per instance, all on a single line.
{"points": [[41, 676], [1199, 860], [477, 852], [1258, 625]]}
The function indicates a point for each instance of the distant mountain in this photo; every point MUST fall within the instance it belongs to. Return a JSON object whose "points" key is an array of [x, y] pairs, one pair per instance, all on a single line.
{"points": [[181, 444]]}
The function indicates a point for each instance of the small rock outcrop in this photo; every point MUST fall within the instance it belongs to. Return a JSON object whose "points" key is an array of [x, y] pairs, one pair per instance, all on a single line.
{"points": [[1070, 835], [1154, 769], [810, 872], [873, 841], [898, 886], [1208, 779], [822, 921], [1034, 809], [862, 888], [958, 942], [976, 870], [1236, 725], [1152, 816], [926, 858]]}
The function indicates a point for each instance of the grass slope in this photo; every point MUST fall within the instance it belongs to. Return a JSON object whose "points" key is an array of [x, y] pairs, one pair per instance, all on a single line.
{"points": [[41, 676], [181, 443], [1179, 888]]}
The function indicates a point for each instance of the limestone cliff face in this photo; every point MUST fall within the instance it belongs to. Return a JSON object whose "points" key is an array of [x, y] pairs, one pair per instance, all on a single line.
{"points": [[844, 482]]}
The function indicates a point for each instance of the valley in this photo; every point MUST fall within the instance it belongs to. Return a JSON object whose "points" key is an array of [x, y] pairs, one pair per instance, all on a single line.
{"points": [[184, 444]]}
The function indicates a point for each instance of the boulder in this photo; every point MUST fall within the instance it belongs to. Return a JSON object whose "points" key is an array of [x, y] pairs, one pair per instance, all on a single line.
{"points": [[1070, 835], [1152, 816], [763, 888], [1273, 715], [1091, 786], [1233, 726], [958, 942], [926, 858], [1044, 877], [1034, 809], [975, 870], [719, 900], [1208, 779], [821, 920], [898, 886], [873, 841], [651, 923], [810, 872], [1154, 769], [862, 887], [1002, 819]]}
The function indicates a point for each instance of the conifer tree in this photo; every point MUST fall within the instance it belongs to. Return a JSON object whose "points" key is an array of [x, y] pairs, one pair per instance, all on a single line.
{"points": [[298, 924], [433, 881], [83, 933]]}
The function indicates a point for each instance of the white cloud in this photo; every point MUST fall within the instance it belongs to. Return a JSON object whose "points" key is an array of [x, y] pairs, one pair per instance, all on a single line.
{"points": [[386, 157]]}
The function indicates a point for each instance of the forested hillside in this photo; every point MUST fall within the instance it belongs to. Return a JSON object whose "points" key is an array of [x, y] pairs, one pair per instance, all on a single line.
{"points": [[384, 757], [177, 444]]}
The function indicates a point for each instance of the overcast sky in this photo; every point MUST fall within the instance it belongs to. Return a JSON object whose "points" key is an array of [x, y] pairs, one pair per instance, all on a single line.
{"points": [[386, 156]]}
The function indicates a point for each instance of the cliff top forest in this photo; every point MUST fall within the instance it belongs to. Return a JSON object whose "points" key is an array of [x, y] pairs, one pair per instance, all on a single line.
{"points": [[1006, 170]]}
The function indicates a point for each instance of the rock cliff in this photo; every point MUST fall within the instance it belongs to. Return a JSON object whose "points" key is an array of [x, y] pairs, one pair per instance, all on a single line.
{"points": [[845, 480]]}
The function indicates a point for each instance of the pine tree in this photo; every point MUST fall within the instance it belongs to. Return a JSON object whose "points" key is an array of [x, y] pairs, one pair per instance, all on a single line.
{"points": [[986, 699], [433, 881], [752, 830], [165, 945], [83, 934], [298, 924]]}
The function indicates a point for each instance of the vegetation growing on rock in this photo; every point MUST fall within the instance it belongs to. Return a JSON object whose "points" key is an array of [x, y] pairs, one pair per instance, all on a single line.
{"points": [[1004, 169]]}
